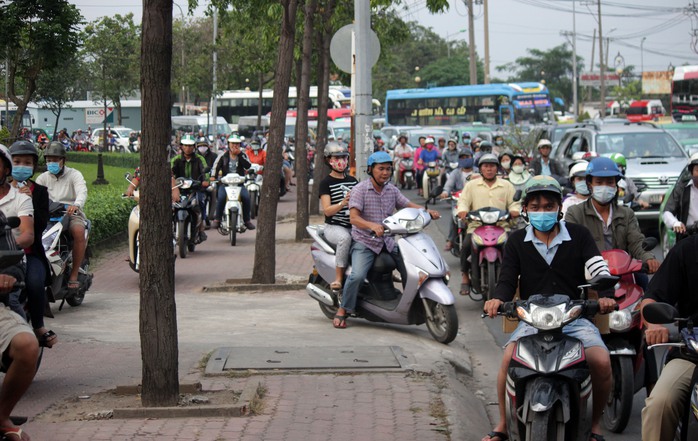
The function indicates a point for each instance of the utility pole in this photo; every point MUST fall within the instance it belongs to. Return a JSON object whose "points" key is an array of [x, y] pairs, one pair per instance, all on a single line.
{"points": [[593, 50], [471, 44], [575, 98], [601, 62], [214, 98], [487, 42], [362, 88]]}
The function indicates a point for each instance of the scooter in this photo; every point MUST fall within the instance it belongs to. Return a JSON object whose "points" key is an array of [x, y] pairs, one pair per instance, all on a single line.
{"points": [[58, 245], [487, 244], [625, 340], [184, 217], [461, 227], [548, 385], [425, 297], [231, 219], [253, 183], [431, 179], [687, 342], [406, 171]]}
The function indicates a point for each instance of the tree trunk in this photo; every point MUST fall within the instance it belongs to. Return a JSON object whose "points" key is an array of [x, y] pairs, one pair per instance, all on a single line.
{"points": [[321, 168], [265, 248], [302, 124], [117, 106], [158, 314], [259, 102], [21, 103], [58, 118]]}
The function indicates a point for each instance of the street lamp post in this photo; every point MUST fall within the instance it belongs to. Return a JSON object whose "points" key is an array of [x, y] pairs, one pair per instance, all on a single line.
{"points": [[448, 43], [417, 78], [642, 56]]}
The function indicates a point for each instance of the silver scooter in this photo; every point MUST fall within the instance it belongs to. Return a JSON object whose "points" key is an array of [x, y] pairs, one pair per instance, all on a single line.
{"points": [[425, 297]]}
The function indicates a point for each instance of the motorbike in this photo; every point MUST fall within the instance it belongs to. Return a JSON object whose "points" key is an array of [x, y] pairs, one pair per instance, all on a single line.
{"points": [[487, 244], [431, 179], [406, 171], [687, 342], [625, 339], [461, 226], [58, 245], [83, 146], [184, 217], [548, 385], [425, 297], [231, 218], [253, 183]]}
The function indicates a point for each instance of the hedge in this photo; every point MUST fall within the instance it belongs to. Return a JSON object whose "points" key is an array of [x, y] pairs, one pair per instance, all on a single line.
{"points": [[108, 213], [122, 160]]}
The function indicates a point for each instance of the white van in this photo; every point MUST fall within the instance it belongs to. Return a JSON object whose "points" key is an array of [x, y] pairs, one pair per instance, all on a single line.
{"points": [[194, 123]]}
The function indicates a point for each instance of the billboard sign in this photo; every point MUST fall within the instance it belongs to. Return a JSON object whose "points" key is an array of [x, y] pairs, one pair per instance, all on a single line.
{"points": [[656, 83], [593, 79], [95, 115]]}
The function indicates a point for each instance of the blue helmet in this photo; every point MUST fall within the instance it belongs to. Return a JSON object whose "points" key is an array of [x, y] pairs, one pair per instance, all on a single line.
{"points": [[465, 163], [603, 167], [379, 158]]}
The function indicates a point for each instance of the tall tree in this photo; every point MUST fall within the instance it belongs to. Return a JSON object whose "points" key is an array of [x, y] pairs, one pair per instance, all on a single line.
{"points": [[112, 44], [158, 313], [58, 86], [35, 36]]}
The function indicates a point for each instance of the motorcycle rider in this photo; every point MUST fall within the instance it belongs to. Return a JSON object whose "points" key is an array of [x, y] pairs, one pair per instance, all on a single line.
{"points": [[190, 165], [79, 136], [679, 211], [674, 283], [611, 225], [255, 153], [401, 149], [67, 186], [370, 202], [455, 182], [136, 182], [547, 257], [505, 159], [519, 175], [627, 190], [484, 148], [335, 191], [428, 154], [577, 176], [544, 164], [24, 161], [490, 191], [204, 149], [235, 161]]}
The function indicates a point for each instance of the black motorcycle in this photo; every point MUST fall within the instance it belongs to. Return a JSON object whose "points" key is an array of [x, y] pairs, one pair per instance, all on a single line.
{"points": [[186, 216]]}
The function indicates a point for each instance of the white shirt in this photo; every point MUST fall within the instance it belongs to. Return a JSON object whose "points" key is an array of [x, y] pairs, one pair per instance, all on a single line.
{"points": [[671, 221], [16, 204], [68, 187]]}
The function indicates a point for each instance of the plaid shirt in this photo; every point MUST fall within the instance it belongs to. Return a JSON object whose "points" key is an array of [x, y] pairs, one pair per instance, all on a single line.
{"points": [[375, 207]]}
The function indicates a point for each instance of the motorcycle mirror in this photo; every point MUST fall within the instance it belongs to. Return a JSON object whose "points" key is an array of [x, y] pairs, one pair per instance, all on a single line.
{"points": [[649, 243], [659, 313], [517, 195], [13, 222], [603, 281], [127, 175], [436, 191]]}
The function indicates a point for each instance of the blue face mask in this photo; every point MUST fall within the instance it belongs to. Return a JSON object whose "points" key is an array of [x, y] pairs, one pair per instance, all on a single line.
{"points": [[603, 194], [21, 173], [543, 220], [581, 188], [53, 167]]}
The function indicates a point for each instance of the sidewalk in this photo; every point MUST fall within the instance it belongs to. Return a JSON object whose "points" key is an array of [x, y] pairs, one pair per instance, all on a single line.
{"points": [[100, 348]]}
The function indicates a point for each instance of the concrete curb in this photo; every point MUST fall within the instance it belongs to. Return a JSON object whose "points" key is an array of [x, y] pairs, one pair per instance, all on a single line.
{"points": [[255, 287]]}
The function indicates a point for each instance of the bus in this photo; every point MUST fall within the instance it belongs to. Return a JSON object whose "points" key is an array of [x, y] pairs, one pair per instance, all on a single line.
{"points": [[512, 103], [684, 94], [194, 123]]}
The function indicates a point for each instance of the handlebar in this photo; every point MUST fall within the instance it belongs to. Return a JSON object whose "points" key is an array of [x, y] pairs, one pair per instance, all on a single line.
{"points": [[508, 309]]}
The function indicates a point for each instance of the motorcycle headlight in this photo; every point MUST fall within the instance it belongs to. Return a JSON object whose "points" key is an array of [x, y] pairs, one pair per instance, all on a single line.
{"points": [[547, 317], [413, 225], [490, 217], [46, 241], [620, 320]]}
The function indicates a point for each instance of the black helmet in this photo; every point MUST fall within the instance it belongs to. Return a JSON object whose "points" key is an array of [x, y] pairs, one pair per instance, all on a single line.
{"points": [[485, 146], [24, 148], [5, 155], [55, 148]]}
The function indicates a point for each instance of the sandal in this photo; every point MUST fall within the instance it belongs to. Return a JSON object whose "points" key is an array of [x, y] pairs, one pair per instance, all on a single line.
{"points": [[73, 285], [12, 433], [499, 435], [47, 339], [342, 324], [336, 286], [448, 246], [464, 289]]}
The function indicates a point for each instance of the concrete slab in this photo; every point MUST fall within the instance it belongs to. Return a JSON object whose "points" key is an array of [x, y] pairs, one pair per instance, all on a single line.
{"points": [[305, 358]]}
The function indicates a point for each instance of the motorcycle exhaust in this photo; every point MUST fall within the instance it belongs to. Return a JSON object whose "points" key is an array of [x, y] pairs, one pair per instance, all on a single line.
{"points": [[319, 294]]}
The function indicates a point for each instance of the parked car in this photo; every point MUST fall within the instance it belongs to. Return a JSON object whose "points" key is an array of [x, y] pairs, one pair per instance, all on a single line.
{"points": [[120, 133], [655, 159], [686, 134]]}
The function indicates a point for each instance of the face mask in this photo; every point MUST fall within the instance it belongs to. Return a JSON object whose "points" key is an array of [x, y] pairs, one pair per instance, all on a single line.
{"points": [[518, 169], [603, 194], [581, 188], [338, 163], [53, 167], [498, 142], [21, 173], [543, 220], [506, 165], [203, 150]]}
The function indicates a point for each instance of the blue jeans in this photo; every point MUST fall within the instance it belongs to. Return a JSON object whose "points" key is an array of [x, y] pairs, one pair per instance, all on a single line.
{"points": [[35, 289], [201, 199], [361, 262], [221, 198], [581, 329]]}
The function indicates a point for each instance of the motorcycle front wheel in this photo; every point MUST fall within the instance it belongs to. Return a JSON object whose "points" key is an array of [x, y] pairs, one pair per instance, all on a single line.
{"points": [[233, 227], [491, 278], [182, 238], [254, 204], [620, 401], [444, 326], [543, 427]]}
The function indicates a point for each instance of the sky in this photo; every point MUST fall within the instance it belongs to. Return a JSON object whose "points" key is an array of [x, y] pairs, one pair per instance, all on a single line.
{"points": [[518, 25]]}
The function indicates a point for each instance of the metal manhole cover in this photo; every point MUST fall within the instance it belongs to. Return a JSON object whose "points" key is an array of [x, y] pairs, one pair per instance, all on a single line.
{"points": [[330, 357]]}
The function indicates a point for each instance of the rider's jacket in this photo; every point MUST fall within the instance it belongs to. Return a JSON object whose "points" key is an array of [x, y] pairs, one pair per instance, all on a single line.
{"points": [[222, 165], [192, 169]]}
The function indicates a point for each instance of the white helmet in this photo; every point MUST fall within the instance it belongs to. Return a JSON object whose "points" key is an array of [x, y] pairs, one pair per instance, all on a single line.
{"points": [[579, 169], [234, 139]]}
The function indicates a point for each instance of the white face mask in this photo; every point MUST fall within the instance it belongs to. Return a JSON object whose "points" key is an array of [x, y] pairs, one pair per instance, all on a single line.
{"points": [[506, 165], [518, 169]]}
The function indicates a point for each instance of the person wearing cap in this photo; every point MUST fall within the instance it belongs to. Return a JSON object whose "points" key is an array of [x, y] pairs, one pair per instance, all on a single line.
{"points": [[256, 154], [550, 256], [465, 140], [203, 147], [67, 186], [519, 174], [24, 162], [428, 154], [505, 159], [451, 154], [488, 191], [191, 165], [681, 210], [611, 225], [401, 149], [370, 202], [455, 181], [577, 177], [418, 166], [441, 143], [80, 136], [543, 164], [235, 161]]}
